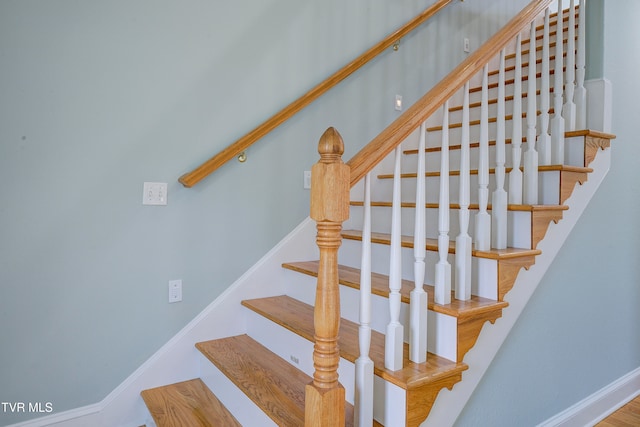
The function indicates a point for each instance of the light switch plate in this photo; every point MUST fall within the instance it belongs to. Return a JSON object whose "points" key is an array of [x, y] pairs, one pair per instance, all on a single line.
{"points": [[154, 193], [307, 180], [398, 103]]}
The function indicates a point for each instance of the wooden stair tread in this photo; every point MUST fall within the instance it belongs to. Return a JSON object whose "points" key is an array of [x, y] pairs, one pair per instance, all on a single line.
{"points": [[553, 21], [432, 245], [562, 168], [281, 390], [568, 134], [297, 317], [589, 132], [541, 215], [508, 82], [478, 104], [552, 33], [477, 122], [525, 64], [472, 206], [454, 147], [349, 276], [188, 403], [545, 168], [552, 45], [245, 362], [455, 125]]}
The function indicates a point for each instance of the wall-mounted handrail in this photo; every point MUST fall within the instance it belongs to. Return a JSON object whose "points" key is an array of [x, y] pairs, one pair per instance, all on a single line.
{"points": [[190, 179], [379, 147]]}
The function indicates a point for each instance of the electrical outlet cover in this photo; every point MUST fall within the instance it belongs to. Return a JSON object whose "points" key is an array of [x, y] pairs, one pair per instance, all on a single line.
{"points": [[175, 291]]}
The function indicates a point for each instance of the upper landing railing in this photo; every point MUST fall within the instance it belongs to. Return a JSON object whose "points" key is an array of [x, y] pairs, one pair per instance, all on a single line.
{"points": [[190, 179]]}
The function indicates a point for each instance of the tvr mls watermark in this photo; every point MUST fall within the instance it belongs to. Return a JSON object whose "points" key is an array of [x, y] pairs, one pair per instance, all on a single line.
{"points": [[27, 407]]}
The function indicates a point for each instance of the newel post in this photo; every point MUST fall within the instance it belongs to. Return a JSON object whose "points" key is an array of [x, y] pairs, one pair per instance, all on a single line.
{"points": [[330, 182]]}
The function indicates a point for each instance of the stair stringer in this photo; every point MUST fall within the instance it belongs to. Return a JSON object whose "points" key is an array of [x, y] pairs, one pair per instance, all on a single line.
{"points": [[450, 403]]}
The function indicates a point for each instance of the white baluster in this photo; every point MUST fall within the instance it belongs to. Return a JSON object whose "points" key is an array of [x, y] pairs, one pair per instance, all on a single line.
{"points": [[418, 296], [364, 365], [580, 96], [557, 123], [515, 175], [483, 219], [499, 197], [395, 330], [569, 108], [544, 139], [463, 241], [530, 193], [443, 268]]}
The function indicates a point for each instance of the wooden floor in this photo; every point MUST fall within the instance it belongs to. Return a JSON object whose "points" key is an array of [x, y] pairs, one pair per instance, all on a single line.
{"points": [[628, 415]]}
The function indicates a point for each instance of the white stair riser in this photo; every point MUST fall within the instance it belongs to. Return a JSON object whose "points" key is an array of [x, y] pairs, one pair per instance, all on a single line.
{"points": [[387, 396], [548, 194], [518, 223], [386, 410], [539, 31], [484, 280], [149, 422], [574, 149], [474, 112], [549, 188], [474, 115], [291, 347], [243, 408], [482, 269], [442, 331], [295, 349], [455, 134]]}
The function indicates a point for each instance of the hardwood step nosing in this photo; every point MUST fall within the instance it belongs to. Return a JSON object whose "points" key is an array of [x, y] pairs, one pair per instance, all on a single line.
{"points": [[407, 242], [250, 349], [413, 378], [187, 402], [544, 168], [484, 305], [472, 206], [507, 141]]}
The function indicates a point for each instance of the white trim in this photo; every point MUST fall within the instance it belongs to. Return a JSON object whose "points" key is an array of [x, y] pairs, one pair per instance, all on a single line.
{"points": [[599, 104], [66, 417], [600, 404]]}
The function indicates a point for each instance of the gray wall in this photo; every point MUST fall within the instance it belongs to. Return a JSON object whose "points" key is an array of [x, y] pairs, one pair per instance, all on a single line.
{"points": [[581, 329], [97, 97]]}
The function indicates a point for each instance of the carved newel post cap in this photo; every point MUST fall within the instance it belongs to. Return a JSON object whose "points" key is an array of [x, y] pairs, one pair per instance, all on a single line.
{"points": [[330, 145], [330, 180]]}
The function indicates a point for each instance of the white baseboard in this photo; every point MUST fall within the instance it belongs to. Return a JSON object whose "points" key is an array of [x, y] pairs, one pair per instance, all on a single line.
{"points": [[73, 418], [600, 404]]}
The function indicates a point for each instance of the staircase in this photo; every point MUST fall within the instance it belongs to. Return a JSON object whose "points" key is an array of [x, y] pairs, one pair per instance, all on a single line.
{"points": [[259, 377]]}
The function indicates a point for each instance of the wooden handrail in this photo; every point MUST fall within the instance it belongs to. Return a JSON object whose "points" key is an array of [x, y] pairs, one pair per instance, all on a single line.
{"points": [[369, 156], [190, 179]]}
